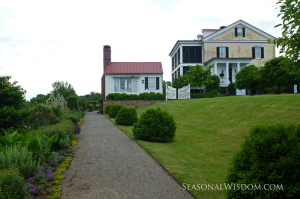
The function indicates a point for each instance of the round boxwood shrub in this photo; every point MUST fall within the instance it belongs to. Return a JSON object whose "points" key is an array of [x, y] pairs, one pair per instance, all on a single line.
{"points": [[155, 125], [73, 102], [126, 116], [113, 111], [107, 108], [269, 156]]}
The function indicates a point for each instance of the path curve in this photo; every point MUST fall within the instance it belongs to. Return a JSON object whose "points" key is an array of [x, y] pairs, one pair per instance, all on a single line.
{"points": [[108, 164]]}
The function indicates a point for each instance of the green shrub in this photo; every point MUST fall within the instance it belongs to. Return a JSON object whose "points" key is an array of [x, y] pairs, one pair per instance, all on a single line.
{"points": [[231, 86], [73, 102], [19, 157], [214, 93], [269, 155], [12, 185], [57, 110], [126, 116], [113, 111], [74, 119], [107, 108], [41, 116], [215, 85], [155, 125]]}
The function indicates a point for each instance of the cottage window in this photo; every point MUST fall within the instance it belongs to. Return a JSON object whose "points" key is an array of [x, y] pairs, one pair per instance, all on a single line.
{"points": [[126, 85], [129, 85], [151, 83], [116, 85], [122, 85], [134, 81]]}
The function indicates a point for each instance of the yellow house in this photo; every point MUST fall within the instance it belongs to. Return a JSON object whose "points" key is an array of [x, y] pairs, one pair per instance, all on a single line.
{"points": [[228, 49]]}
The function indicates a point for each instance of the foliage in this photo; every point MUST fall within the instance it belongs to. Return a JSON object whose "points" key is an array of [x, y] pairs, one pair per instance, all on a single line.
{"points": [[214, 84], [100, 101], [126, 116], [93, 96], [211, 94], [41, 116], [269, 155], [20, 157], [155, 125], [39, 99], [141, 96], [180, 82], [57, 110], [76, 129], [64, 89], [249, 78], [113, 111], [82, 103], [12, 105], [274, 74], [72, 102], [198, 77], [12, 184], [289, 42], [231, 86], [107, 108]]}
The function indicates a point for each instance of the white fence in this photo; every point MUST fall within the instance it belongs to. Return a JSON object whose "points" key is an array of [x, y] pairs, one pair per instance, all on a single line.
{"points": [[184, 92], [170, 93]]}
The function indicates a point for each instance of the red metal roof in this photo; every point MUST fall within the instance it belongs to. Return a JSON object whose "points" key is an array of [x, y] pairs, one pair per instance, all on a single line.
{"points": [[134, 67]]}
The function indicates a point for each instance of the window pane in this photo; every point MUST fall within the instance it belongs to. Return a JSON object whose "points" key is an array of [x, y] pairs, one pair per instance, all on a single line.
{"points": [[129, 85], [134, 81], [122, 85], [222, 52], [239, 32], [257, 52], [116, 85], [151, 82]]}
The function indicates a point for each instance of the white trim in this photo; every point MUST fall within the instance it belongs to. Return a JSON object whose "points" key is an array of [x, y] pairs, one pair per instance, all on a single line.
{"points": [[184, 43], [238, 42]]}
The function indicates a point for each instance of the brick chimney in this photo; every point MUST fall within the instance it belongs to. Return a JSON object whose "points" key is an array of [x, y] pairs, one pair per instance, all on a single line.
{"points": [[106, 56], [106, 61]]}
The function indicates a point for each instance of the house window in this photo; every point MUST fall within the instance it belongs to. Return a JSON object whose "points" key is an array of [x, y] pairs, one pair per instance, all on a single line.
{"points": [[122, 85], [257, 52], [125, 85], [117, 85], [151, 83], [134, 85], [239, 32], [222, 52], [192, 54]]}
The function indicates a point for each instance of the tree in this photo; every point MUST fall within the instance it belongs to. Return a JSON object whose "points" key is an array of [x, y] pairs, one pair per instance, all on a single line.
{"points": [[64, 89], [248, 78], [198, 77], [39, 99], [274, 74], [290, 39], [12, 104], [215, 85], [180, 82]]}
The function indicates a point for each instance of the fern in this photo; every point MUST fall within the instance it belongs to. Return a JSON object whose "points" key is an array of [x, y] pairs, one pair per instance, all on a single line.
{"points": [[19, 157]]}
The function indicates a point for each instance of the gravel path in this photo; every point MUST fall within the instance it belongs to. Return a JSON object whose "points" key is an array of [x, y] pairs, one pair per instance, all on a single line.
{"points": [[108, 164]]}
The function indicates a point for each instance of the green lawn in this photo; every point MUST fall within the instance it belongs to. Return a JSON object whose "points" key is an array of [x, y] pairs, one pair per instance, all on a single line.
{"points": [[210, 130]]}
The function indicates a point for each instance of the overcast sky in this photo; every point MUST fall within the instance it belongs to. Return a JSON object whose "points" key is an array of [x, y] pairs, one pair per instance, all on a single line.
{"points": [[46, 41]]}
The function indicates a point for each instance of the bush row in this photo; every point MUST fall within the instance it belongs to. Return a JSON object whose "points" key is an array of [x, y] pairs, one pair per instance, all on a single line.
{"points": [[210, 94], [141, 96]]}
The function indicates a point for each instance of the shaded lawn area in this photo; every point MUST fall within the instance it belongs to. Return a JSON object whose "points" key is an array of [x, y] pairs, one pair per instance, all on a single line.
{"points": [[210, 130]]}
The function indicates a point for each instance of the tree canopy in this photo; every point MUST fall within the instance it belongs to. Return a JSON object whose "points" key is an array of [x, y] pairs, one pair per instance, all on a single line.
{"points": [[248, 78], [290, 39], [198, 77], [64, 89]]}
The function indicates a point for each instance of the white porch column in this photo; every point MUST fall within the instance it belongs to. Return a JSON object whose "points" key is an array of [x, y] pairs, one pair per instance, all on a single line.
{"points": [[215, 66], [227, 72], [295, 88], [181, 55], [238, 67]]}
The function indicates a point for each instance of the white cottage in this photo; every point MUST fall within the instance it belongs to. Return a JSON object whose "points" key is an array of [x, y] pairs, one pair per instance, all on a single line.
{"points": [[130, 77]]}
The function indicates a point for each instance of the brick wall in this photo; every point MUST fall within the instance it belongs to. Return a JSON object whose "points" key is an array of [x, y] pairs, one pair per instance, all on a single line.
{"points": [[131, 103]]}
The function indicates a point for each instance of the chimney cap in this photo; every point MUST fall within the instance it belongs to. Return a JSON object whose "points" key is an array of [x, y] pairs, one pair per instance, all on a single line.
{"points": [[106, 46]]}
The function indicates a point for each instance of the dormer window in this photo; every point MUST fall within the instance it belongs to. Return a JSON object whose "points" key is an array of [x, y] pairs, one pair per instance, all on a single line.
{"points": [[239, 32]]}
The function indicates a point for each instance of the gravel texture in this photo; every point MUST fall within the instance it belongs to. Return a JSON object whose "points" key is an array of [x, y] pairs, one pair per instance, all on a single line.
{"points": [[108, 164]]}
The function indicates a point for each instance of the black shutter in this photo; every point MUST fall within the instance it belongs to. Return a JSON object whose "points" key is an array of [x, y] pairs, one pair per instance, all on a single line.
{"points": [[157, 83], [262, 52], [227, 52], [200, 54], [146, 83], [235, 32], [253, 52], [243, 32], [218, 53]]}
